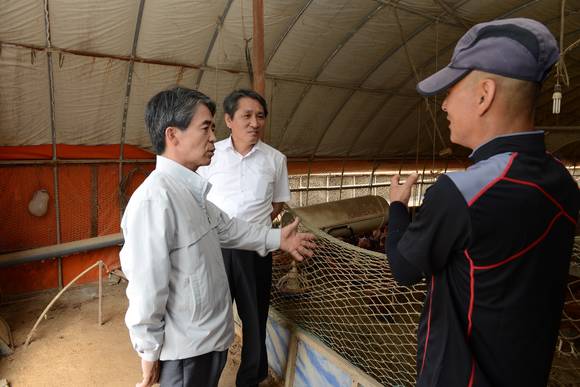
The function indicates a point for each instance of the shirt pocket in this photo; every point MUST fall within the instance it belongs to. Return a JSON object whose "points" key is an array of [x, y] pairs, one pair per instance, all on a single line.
{"points": [[261, 181]]}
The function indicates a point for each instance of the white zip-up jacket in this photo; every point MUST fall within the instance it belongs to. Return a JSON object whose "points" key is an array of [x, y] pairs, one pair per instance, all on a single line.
{"points": [[179, 300]]}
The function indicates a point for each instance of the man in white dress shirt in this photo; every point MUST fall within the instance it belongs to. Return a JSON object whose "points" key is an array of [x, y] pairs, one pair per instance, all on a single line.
{"points": [[180, 315], [249, 181]]}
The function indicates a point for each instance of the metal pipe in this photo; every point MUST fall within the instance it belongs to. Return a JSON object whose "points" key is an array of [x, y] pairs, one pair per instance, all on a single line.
{"points": [[79, 161], [60, 250]]}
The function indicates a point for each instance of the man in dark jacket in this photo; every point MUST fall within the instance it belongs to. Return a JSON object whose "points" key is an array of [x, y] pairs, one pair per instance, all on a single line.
{"points": [[493, 242]]}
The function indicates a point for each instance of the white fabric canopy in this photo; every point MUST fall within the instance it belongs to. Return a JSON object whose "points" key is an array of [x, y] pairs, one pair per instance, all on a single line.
{"points": [[339, 81]]}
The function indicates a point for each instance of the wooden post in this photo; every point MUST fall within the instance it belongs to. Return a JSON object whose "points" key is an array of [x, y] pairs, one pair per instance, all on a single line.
{"points": [[258, 51], [100, 293], [291, 359]]}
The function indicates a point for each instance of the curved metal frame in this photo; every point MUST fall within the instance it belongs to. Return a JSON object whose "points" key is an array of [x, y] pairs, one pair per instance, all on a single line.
{"points": [[211, 45], [381, 61], [322, 67], [426, 63]]}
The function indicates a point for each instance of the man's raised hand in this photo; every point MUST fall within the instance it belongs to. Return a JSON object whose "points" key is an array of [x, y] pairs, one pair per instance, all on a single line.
{"points": [[298, 244]]}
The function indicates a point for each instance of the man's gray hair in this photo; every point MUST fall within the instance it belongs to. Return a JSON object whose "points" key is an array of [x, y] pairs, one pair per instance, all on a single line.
{"points": [[174, 107]]}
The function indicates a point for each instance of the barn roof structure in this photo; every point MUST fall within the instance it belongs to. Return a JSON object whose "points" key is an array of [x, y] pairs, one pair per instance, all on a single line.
{"points": [[340, 74]]}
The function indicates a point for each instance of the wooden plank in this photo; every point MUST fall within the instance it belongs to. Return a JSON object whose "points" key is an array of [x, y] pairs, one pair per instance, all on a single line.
{"points": [[298, 334], [258, 48], [291, 360]]}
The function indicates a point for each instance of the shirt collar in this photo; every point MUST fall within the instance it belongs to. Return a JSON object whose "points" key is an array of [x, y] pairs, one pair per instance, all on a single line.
{"points": [[230, 145], [524, 142], [198, 186]]}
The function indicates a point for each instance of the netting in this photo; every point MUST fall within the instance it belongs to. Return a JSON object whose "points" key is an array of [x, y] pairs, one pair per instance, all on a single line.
{"points": [[566, 366], [347, 297]]}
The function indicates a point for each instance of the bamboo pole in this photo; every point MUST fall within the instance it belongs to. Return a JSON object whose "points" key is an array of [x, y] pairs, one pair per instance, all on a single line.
{"points": [[45, 311]]}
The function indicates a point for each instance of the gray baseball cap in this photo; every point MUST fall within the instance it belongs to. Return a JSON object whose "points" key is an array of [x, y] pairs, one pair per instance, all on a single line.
{"points": [[515, 48]]}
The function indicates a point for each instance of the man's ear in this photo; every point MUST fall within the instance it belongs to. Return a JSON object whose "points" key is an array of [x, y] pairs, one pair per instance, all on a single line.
{"points": [[486, 91], [228, 119], [170, 135]]}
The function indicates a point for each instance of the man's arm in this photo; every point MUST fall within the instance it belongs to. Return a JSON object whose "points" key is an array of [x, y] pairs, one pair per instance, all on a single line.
{"points": [[404, 272], [439, 230], [145, 262], [238, 234]]}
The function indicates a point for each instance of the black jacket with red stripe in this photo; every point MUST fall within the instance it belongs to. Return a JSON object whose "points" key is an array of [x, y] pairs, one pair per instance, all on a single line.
{"points": [[494, 243]]}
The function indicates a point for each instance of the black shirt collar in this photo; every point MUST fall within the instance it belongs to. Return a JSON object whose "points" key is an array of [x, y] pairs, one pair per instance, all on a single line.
{"points": [[523, 142]]}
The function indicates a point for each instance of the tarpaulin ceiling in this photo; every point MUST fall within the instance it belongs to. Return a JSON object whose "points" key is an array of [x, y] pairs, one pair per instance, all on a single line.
{"points": [[339, 73]]}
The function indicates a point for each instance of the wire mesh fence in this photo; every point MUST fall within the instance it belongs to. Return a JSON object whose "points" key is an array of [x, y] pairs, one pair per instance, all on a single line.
{"points": [[566, 366], [347, 297]]}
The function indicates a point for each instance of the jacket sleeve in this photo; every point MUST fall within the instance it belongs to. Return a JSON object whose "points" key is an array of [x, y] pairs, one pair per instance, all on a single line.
{"points": [[404, 272], [148, 231], [440, 228], [235, 233]]}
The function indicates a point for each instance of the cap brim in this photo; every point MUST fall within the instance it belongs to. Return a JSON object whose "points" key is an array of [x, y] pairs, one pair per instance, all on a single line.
{"points": [[441, 81]]}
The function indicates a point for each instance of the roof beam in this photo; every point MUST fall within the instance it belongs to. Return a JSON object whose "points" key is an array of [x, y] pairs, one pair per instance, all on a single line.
{"points": [[382, 3], [402, 7], [453, 13], [321, 69], [190, 66], [218, 27], [130, 80], [517, 9], [50, 77], [445, 49], [259, 81], [290, 27], [53, 134], [128, 93], [383, 59]]}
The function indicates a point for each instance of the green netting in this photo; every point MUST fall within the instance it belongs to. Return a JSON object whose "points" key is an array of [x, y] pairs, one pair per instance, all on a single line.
{"points": [[347, 297]]}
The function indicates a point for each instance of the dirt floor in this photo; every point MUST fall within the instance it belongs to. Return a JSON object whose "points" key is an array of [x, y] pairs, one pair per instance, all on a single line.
{"points": [[69, 348]]}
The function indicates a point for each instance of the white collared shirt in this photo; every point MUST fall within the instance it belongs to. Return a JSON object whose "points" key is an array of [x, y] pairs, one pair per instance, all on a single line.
{"points": [[179, 299], [246, 186]]}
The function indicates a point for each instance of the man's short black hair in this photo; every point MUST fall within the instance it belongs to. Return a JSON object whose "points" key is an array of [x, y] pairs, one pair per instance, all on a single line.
{"points": [[231, 101]]}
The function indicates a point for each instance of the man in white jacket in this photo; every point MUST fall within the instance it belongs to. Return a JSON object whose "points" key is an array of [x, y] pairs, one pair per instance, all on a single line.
{"points": [[179, 316]]}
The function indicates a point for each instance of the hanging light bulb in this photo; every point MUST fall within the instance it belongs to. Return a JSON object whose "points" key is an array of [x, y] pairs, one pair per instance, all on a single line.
{"points": [[557, 99]]}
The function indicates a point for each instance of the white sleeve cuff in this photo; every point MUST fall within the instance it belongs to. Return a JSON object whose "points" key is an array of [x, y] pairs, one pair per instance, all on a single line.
{"points": [[150, 355], [273, 239]]}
